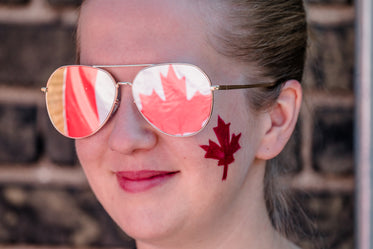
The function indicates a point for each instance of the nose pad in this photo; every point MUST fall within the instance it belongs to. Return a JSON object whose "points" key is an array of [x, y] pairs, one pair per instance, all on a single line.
{"points": [[118, 98], [116, 103]]}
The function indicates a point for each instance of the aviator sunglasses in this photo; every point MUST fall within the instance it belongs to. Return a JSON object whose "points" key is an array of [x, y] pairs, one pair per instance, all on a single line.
{"points": [[175, 98]]}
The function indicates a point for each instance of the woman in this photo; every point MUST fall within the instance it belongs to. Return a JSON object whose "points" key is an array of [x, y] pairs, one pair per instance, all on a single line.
{"points": [[202, 183]]}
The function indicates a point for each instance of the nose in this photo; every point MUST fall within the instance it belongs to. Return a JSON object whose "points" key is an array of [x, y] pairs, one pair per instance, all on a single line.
{"points": [[130, 131]]}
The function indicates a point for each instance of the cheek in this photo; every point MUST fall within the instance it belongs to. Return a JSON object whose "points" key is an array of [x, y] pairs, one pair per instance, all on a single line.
{"points": [[93, 147], [89, 154], [82, 150], [224, 150], [90, 158]]}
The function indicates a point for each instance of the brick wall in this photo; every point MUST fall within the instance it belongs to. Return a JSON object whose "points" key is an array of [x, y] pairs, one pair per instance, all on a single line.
{"points": [[45, 201]]}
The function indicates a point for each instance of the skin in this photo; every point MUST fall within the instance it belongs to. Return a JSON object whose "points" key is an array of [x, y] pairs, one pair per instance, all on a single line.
{"points": [[195, 208]]}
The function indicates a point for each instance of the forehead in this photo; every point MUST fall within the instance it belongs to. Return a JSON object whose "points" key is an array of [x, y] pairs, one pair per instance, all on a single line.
{"points": [[129, 31]]}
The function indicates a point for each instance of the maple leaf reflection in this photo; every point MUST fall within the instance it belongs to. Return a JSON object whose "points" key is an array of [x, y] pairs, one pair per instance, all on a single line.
{"points": [[224, 152], [176, 114]]}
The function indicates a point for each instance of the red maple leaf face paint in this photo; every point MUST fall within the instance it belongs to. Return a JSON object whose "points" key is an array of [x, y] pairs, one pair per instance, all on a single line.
{"points": [[175, 113], [224, 152]]}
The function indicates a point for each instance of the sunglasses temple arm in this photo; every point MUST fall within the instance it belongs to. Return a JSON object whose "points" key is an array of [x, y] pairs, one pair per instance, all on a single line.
{"points": [[232, 87]]}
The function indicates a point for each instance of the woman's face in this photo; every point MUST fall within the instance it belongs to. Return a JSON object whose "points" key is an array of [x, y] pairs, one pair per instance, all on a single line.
{"points": [[153, 185]]}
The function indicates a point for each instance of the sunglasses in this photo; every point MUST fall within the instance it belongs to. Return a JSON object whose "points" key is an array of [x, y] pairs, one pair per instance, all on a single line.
{"points": [[175, 98]]}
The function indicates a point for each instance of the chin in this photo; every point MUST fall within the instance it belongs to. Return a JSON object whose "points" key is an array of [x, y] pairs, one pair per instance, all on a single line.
{"points": [[148, 233], [146, 226]]}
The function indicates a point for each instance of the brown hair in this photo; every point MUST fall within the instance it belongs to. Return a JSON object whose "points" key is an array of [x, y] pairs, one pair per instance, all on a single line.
{"points": [[271, 37]]}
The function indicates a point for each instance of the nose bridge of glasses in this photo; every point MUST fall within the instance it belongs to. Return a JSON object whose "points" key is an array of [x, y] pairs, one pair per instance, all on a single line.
{"points": [[123, 83]]}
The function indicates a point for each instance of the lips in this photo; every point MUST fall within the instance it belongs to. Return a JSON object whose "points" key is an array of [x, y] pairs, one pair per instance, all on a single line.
{"points": [[140, 181]]}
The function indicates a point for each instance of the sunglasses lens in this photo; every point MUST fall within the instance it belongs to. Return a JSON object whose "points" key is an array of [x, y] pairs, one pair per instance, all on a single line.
{"points": [[174, 98], [80, 100]]}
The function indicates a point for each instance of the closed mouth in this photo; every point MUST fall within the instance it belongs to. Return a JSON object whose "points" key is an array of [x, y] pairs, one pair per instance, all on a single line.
{"points": [[140, 181]]}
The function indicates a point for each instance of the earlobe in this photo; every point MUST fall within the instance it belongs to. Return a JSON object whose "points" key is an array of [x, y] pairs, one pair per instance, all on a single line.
{"points": [[282, 117]]}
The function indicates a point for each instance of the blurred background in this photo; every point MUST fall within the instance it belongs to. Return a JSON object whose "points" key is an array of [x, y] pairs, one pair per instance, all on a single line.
{"points": [[45, 201]]}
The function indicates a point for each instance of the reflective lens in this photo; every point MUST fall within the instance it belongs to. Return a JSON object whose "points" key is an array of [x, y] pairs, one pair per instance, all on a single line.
{"points": [[80, 99], [174, 98]]}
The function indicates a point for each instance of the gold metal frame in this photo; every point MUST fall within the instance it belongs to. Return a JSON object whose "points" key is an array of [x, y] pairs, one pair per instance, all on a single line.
{"points": [[213, 87], [117, 84]]}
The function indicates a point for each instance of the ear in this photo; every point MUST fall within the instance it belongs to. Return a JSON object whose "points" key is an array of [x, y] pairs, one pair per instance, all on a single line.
{"points": [[281, 121]]}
